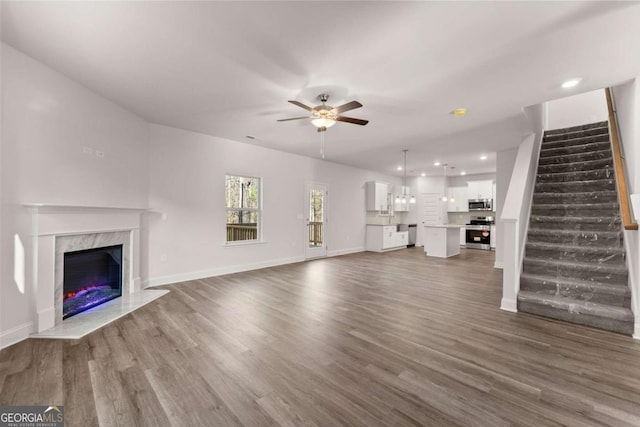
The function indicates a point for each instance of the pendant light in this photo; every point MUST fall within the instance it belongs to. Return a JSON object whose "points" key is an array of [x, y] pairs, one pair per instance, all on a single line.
{"points": [[405, 198], [444, 196]]}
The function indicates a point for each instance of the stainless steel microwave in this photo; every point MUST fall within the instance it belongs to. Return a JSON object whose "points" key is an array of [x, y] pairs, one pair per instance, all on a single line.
{"points": [[480, 204]]}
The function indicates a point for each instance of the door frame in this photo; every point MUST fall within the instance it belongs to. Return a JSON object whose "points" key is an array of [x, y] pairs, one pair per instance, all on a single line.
{"points": [[317, 252]]}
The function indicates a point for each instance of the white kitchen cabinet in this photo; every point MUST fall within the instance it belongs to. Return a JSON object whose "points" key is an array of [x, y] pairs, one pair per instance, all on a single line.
{"points": [[377, 196], [481, 189], [463, 236], [382, 238], [460, 201], [441, 240], [493, 237]]}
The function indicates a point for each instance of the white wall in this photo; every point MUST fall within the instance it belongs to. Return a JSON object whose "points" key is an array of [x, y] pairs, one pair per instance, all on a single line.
{"points": [[47, 121], [505, 161], [187, 184], [627, 101], [588, 107]]}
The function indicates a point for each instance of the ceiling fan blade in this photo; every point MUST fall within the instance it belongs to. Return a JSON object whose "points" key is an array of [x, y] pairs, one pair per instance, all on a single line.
{"points": [[352, 120], [348, 106], [301, 105], [294, 118]]}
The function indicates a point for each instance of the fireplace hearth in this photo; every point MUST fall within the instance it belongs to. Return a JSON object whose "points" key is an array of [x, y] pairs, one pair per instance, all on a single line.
{"points": [[91, 277]]}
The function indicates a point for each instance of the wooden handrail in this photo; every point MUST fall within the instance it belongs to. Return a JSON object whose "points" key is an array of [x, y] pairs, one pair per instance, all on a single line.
{"points": [[623, 193]]}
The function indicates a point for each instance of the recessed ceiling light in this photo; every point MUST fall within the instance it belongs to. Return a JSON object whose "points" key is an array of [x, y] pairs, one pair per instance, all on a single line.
{"points": [[571, 83], [423, 174], [463, 173], [436, 164], [459, 112], [399, 168], [483, 157]]}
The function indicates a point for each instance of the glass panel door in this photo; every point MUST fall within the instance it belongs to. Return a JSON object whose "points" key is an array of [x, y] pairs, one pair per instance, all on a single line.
{"points": [[316, 198]]}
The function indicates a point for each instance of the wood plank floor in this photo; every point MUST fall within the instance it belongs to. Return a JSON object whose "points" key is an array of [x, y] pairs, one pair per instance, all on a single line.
{"points": [[365, 340]]}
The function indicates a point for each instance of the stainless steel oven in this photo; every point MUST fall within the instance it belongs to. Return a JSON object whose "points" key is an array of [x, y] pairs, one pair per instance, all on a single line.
{"points": [[478, 237], [478, 232], [480, 204]]}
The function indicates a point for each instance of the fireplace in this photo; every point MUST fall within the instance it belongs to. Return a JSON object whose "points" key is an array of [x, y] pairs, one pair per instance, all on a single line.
{"points": [[91, 277]]}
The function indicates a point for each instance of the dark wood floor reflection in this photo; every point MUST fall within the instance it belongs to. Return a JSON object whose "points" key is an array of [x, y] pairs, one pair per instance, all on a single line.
{"points": [[365, 339]]}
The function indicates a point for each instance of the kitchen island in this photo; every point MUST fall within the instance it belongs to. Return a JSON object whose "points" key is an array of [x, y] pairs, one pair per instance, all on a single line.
{"points": [[442, 241]]}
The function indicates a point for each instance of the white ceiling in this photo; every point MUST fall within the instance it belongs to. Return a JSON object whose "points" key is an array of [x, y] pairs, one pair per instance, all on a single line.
{"points": [[228, 68]]}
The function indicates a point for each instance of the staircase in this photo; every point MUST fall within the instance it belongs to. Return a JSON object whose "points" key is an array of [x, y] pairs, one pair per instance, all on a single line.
{"points": [[574, 266]]}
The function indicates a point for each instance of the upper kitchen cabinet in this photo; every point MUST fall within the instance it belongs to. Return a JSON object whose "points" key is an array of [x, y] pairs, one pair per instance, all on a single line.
{"points": [[482, 189], [458, 199], [377, 196]]}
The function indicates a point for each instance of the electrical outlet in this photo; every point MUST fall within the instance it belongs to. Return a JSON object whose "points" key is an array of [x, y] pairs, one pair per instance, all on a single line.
{"points": [[163, 257], [100, 154], [87, 150]]}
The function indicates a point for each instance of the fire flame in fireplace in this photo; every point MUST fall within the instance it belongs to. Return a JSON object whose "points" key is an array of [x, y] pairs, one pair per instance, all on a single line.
{"points": [[82, 291]]}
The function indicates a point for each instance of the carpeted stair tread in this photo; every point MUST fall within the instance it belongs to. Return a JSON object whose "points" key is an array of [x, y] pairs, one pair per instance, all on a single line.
{"points": [[575, 167], [596, 292], [574, 149], [606, 184], [550, 143], [576, 209], [596, 223], [571, 304], [564, 247], [576, 237], [577, 252], [606, 196], [605, 288], [575, 265], [601, 126], [573, 158], [602, 173]]}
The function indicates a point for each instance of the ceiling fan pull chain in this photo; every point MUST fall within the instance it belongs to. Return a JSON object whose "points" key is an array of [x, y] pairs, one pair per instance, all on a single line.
{"points": [[322, 144]]}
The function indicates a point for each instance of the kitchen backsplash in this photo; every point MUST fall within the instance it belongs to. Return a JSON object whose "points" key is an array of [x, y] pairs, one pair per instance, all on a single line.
{"points": [[375, 218], [465, 217]]}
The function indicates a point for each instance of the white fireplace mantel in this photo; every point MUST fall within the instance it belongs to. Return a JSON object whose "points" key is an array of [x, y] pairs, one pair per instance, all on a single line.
{"points": [[56, 228]]}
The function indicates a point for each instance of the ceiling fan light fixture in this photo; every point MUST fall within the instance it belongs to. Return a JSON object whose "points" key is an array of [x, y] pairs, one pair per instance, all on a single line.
{"points": [[323, 122]]}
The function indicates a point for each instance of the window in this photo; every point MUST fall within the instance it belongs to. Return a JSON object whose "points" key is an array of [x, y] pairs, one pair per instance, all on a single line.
{"points": [[243, 207]]}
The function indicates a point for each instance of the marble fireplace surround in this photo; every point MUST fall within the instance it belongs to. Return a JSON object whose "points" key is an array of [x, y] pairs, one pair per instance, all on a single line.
{"points": [[56, 229]]}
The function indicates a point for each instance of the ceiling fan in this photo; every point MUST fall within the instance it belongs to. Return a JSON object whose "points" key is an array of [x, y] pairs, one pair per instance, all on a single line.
{"points": [[324, 116]]}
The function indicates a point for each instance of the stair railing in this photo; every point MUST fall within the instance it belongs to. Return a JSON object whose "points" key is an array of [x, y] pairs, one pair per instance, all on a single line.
{"points": [[618, 164]]}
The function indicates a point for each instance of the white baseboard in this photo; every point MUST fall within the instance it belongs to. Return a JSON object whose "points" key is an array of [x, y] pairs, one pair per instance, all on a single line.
{"points": [[202, 274], [346, 251], [636, 331], [499, 265], [16, 334], [509, 305]]}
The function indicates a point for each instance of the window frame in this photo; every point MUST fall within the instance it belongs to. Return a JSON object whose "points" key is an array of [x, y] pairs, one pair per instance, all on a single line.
{"points": [[258, 211]]}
